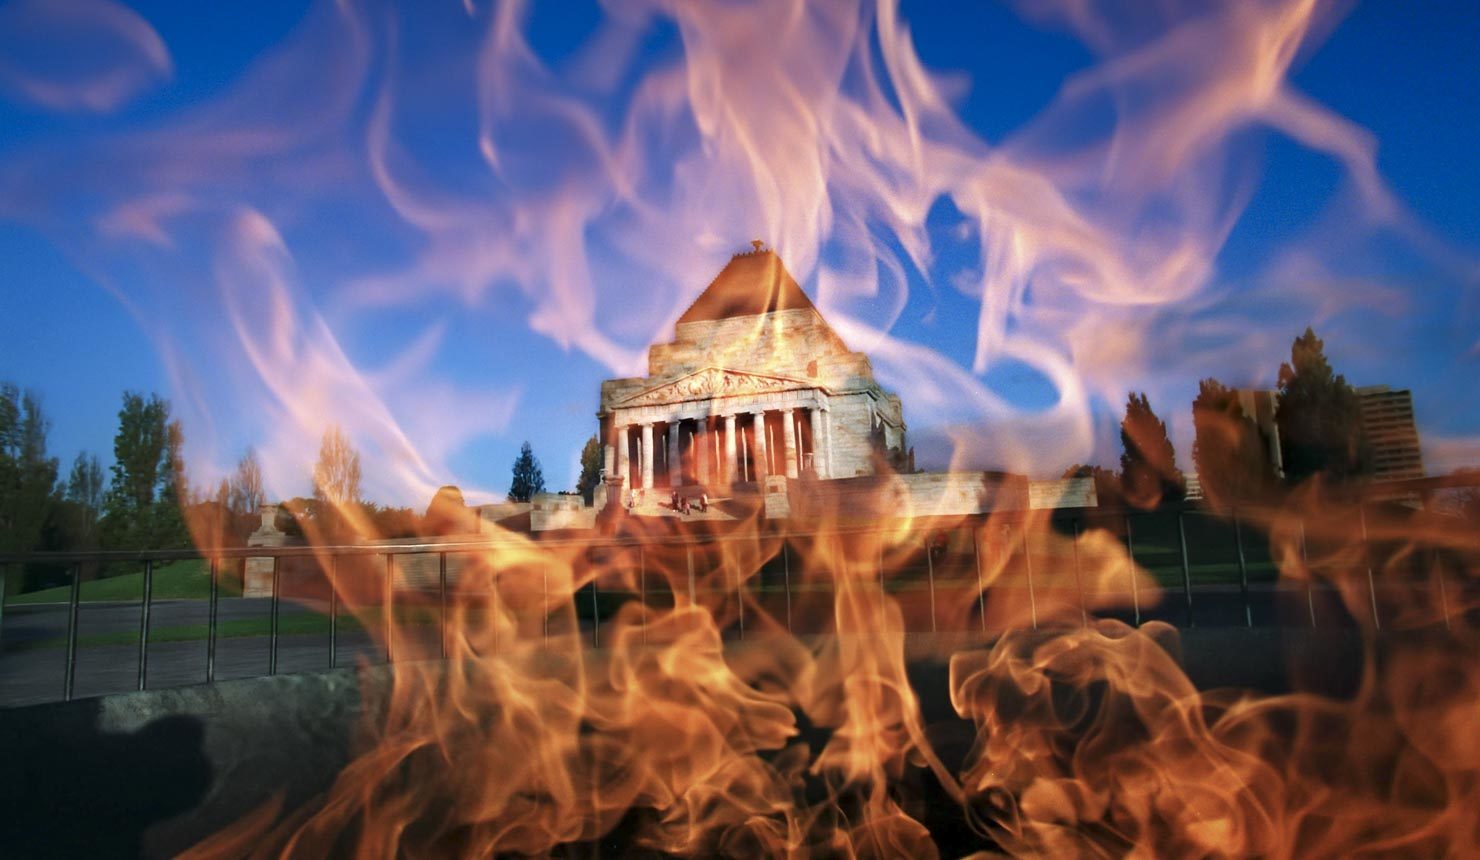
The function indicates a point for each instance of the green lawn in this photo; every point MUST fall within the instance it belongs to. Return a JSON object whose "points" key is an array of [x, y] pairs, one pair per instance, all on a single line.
{"points": [[174, 580]]}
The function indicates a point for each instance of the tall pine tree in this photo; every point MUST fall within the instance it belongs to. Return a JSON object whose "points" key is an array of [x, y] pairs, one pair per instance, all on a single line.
{"points": [[1148, 464], [528, 478], [1319, 417]]}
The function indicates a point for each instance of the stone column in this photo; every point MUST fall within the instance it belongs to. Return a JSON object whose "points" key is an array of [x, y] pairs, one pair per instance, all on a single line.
{"points": [[819, 453], [609, 449], [760, 445], [647, 456], [623, 468], [789, 439], [701, 450], [732, 467], [675, 465]]}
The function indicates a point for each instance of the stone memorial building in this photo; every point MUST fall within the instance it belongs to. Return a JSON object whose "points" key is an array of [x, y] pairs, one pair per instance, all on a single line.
{"points": [[754, 384]]}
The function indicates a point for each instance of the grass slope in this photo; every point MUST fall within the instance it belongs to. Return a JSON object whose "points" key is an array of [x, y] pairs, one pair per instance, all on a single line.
{"points": [[176, 580]]}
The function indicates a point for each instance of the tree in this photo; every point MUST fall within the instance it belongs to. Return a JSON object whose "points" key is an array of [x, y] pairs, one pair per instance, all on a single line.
{"points": [[168, 526], [82, 506], [1106, 481], [1319, 417], [142, 506], [138, 453], [1148, 463], [448, 514], [336, 477], [1231, 459], [528, 479], [85, 485], [27, 476], [591, 464], [244, 495]]}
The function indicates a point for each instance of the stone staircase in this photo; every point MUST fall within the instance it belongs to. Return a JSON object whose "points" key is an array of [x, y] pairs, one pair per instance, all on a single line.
{"points": [[659, 503]]}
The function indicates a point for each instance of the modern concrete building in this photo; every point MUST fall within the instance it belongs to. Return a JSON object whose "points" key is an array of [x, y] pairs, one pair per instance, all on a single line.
{"points": [[1387, 419]]}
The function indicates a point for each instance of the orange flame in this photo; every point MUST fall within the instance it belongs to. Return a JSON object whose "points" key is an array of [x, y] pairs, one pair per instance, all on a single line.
{"points": [[820, 126]]}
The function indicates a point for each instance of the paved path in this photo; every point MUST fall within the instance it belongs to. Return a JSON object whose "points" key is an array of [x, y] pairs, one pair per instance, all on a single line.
{"points": [[35, 674], [32, 622], [31, 675]]}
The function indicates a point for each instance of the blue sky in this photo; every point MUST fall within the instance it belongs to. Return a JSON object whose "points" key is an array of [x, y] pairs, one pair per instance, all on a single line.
{"points": [[441, 225]]}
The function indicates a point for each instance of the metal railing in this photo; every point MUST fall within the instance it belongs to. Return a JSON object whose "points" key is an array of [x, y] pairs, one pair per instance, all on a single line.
{"points": [[1072, 522]]}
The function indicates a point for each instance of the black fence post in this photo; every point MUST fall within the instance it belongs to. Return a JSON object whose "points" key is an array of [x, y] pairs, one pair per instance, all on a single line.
{"points": [[442, 598], [70, 676], [272, 622], [1310, 580], [930, 573], [1243, 568], [333, 611], [1130, 569], [595, 615], [1367, 560], [1186, 568], [144, 602], [740, 600], [693, 595], [1079, 579], [1443, 591], [786, 573], [390, 608], [883, 592], [215, 570], [1028, 564], [981, 589]]}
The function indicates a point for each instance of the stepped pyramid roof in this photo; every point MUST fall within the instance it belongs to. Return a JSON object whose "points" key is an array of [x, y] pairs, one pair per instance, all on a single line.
{"points": [[752, 283]]}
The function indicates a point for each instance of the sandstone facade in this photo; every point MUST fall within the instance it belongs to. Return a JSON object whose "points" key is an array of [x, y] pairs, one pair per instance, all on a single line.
{"points": [[755, 383]]}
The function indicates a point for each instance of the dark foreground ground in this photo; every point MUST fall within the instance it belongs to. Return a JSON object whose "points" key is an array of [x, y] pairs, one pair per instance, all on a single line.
{"points": [[151, 773]]}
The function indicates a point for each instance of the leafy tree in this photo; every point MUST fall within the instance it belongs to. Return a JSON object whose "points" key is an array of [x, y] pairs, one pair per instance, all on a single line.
{"points": [[1231, 459], [528, 479], [86, 485], [448, 514], [138, 454], [142, 505], [27, 476], [336, 477], [174, 493], [1107, 483], [591, 465], [391, 523], [1148, 463], [1319, 417], [337, 509], [76, 518]]}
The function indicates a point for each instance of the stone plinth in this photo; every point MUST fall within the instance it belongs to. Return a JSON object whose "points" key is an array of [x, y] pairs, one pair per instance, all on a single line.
{"points": [[257, 572]]}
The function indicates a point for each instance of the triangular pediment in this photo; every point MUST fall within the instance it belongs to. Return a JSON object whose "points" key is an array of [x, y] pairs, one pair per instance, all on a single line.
{"points": [[714, 382]]}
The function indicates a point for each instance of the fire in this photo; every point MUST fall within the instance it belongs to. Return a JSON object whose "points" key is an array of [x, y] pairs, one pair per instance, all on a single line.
{"points": [[1003, 710], [1076, 738]]}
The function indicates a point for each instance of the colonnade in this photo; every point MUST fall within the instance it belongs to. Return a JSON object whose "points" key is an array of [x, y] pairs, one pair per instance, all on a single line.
{"points": [[726, 448]]}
